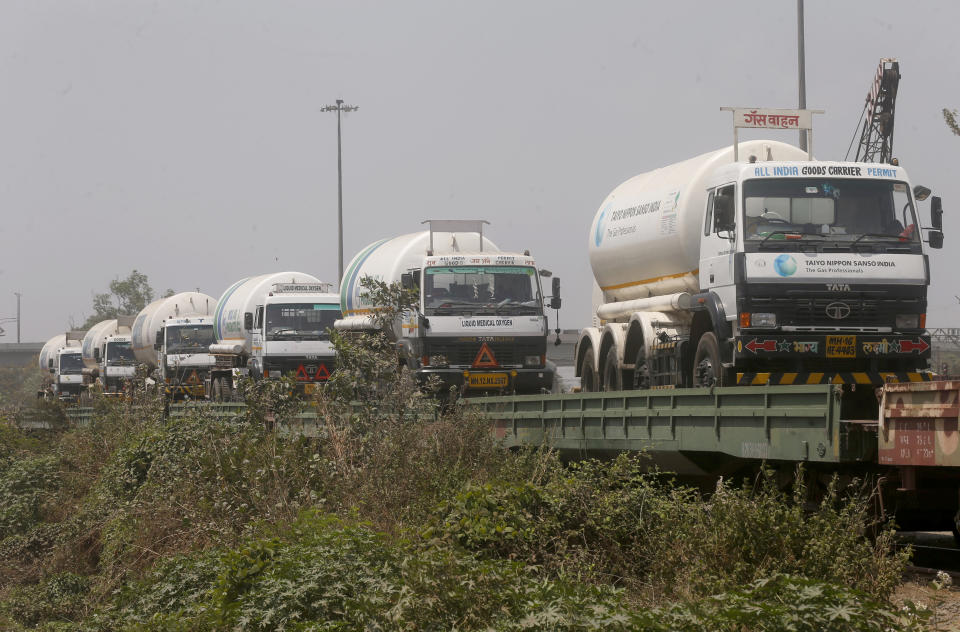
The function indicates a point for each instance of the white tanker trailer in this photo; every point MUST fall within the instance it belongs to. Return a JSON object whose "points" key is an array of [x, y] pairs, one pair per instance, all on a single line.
{"points": [[479, 322], [272, 325], [108, 353], [775, 269], [172, 336]]}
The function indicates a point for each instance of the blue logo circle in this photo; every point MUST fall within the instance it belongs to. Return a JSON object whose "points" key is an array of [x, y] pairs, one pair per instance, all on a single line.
{"points": [[598, 236], [785, 265]]}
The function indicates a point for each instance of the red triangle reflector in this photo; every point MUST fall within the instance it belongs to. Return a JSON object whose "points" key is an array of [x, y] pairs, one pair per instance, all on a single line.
{"points": [[485, 358]]}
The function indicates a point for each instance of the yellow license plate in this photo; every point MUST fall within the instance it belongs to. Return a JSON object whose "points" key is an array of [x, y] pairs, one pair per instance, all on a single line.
{"points": [[488, 380], [841, 346]]}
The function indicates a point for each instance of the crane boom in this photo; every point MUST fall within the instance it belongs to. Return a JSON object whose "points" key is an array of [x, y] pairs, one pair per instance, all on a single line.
{"points": [[876, 138]]}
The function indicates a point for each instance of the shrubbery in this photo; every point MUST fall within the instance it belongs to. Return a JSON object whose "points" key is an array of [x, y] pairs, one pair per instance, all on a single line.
{"points": [[402, 513]]}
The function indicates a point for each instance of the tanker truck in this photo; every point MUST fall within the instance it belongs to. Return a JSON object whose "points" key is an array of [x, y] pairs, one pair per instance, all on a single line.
{"points": [[108, 354], [172, 336], [479, 322], [61, 356], [775, 269], [272, 325]]}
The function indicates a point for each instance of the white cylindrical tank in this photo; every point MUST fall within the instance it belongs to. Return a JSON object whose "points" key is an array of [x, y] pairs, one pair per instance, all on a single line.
{"points": [[49, 350], [387, 259], [150, 320], [94, 339], [645, 238], [244, 296]]}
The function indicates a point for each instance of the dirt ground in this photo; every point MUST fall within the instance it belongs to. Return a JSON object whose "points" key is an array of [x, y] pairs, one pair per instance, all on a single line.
{"points": [[945, 602]]}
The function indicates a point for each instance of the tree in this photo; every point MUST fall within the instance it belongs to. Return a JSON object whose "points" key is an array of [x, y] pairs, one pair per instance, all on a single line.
{"points": [[125, 298], [951, 116]]}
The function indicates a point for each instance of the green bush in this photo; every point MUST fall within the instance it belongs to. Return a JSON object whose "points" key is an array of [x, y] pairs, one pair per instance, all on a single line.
{"points": [[324, 574], [59, 597], [602, 520], [25, 484], [783, 602]]}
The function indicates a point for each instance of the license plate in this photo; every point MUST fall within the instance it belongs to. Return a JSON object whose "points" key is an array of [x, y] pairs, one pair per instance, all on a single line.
{"points": [[488, 380], [841, 346]]}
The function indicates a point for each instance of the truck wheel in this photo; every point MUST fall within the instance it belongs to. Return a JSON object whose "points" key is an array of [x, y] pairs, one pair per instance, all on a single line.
{"points": [[588, 377], [612, 376], [707, 370], [641, 372]]}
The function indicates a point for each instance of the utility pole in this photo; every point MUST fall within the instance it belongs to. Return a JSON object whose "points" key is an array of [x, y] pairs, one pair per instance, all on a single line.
{"points": [[18, 316], [802, 71], [339, 107]]}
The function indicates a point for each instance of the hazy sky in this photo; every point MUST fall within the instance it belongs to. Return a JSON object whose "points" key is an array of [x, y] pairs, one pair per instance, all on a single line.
{"points": [[185, 138]]}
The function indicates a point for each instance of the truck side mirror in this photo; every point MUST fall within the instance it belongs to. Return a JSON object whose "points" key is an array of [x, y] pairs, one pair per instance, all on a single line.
{"points": [[935, 239], [936, 213], [406, 280], [50, 363], [96, 354], [158, 342], [248, 321], [555, 299]]}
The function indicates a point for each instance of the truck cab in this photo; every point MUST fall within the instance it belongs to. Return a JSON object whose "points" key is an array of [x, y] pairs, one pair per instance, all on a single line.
{"points": [[290, 334], [67, 371], [285, 334], [117, 363], [812, 268], [183, 358], [479, 324]]}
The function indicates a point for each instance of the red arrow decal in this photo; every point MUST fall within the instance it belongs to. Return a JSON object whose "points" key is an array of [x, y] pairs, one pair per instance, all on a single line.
{"points": [[908, 346], [766, 345]]}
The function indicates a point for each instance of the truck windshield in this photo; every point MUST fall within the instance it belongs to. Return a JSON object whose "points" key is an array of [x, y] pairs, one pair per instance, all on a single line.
{"points": [[71, 363], [828, 209], [300, 321], [481, 290], [120, 353], [189, 338]]}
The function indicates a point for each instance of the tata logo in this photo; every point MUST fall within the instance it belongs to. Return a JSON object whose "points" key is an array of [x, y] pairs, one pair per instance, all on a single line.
{"points": [[837, 310], [838, 287]]}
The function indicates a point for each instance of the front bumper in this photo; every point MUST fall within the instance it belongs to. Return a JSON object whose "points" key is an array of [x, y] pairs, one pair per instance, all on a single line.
{"points": [[494, 380], [852, 346]]}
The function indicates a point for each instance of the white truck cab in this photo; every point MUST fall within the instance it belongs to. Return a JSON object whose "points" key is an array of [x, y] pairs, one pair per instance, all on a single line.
{"points": [[184, 358]]}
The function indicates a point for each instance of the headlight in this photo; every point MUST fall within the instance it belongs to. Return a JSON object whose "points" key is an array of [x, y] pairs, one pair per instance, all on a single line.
{"points": [[275, 374], [532, 360], [763, 319], [908, 321]]}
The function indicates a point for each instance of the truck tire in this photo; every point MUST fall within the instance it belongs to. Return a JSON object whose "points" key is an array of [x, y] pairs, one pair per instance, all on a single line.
{"points": [[707, 369], [612, 376], [641, 372], [588, 376]]}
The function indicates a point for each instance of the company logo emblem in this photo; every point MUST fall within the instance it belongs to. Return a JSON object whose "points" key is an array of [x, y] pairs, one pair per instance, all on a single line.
{"points": [[785, 265], [598, 235], [837, 310], [838, 287]]}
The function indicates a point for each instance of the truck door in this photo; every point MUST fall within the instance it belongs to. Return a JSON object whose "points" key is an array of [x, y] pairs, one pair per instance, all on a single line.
{"points": [[718, 245]]}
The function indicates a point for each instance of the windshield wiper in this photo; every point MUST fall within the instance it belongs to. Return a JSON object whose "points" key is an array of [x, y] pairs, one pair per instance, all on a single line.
{"points": [[791, 232], [883, 236]]}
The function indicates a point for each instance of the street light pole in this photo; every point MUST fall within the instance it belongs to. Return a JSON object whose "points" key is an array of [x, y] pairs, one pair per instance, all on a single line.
{"points": [[339, 107], [18, 316], [801, 71]]}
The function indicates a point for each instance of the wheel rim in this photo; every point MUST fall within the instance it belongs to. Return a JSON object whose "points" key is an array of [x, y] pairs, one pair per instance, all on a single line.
{"points": [[706, 376]]}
